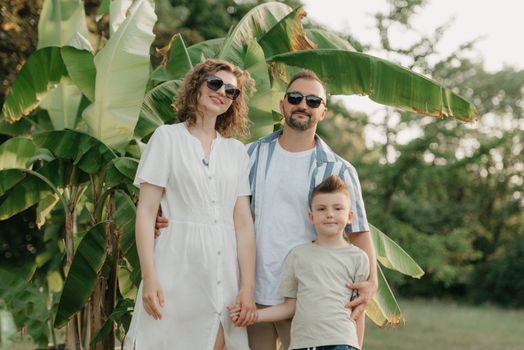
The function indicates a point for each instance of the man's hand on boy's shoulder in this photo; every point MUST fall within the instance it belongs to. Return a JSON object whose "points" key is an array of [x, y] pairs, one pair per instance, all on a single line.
{"points": [[366, 291]]}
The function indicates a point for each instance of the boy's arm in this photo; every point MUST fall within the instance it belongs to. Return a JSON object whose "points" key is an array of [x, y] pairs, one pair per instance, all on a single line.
{"points": [[279, 312], [274, 313]]}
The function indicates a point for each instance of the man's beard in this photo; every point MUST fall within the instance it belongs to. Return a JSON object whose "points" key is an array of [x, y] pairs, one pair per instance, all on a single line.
{"points": [[296, 124]]}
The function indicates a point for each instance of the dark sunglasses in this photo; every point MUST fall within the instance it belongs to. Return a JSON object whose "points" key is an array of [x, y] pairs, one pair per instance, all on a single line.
{"points": [[296, 97], [215, 83]]}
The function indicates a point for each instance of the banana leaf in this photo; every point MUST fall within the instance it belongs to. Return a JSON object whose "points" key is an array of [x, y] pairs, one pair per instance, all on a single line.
{"points": [[16, 152], [156, 108], [392, 256], [81, 278], [89, 154], [42, 72], [328, 40], [176, 61], [256, 23], [122, 73], [347, 73], [383, 309], [59, 21], [205, 49]]}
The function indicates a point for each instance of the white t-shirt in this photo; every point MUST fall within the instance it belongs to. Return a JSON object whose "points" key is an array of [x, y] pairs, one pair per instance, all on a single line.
{"points": [[284, 224]]}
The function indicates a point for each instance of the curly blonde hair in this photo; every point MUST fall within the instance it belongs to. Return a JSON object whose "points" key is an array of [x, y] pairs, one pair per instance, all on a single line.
{"points": [[233, 122]]}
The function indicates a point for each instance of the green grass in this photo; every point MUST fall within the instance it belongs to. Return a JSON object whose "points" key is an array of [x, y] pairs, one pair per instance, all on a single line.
{"points": [[439, 325], [434, 325]]}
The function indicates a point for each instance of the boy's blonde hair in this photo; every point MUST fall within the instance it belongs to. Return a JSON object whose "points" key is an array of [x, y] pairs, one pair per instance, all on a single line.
{"points": [[331, 184]]}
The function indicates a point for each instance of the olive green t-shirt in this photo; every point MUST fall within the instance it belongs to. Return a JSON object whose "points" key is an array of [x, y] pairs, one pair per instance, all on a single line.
{"points": [[316, 276]]}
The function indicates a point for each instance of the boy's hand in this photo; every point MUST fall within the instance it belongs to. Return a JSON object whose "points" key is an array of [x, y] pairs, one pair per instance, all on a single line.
{"points": [[366, 290], [161, 222]]}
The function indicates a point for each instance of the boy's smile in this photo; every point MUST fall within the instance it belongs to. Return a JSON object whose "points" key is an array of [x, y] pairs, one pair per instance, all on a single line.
{"points": [[330, 213]]}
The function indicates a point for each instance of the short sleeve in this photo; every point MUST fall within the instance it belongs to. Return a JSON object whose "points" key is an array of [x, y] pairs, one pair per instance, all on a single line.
{"points": [[243, 182], [155, 161], [360, 221], [362, 267], [288, 282]]}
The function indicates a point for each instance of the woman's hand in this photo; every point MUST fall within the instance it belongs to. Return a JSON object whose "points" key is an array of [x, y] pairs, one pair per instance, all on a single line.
{"points": [[152, 297], [248, 308]]}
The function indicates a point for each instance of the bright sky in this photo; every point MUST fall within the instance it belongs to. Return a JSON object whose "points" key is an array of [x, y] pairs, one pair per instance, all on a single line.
{"points": [[498, 23]]}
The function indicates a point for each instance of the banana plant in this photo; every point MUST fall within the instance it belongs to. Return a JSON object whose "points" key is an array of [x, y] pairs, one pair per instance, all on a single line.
{"points": [[72, 113], [272, 45]]}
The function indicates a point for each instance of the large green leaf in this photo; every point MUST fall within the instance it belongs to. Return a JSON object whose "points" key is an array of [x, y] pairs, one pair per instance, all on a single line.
{"points": [[88, 153], [122, 73], [16, 152], [124, 219], [392, 256], [59, 21], [255, 24], [346, 73], [82, 276], [9, 178], [176, 61], [287, 34], [156, 108], [205, 49], [81, 68], [62, 105], [22, 194], [122, 170], [42, 72], [117, 14], [328, 40], [383, 309]]}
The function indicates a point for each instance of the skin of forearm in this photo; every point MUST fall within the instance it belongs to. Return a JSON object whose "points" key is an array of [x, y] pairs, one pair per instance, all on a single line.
{"points": [[146, 212], [279, 312], [246, 248], [363, 241], [361, 324]]}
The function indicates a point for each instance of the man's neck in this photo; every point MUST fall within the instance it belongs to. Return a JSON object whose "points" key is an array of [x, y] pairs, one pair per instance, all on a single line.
{"points": [[297, 141]]}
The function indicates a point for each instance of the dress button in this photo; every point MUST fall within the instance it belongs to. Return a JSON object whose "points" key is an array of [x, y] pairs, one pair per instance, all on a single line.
{"points": [[216, 221], [210, 177], [218, 282], [219, 252]]}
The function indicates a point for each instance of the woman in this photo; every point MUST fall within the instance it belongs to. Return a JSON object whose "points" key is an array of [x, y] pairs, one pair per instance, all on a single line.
{"points": [[199, 175]]}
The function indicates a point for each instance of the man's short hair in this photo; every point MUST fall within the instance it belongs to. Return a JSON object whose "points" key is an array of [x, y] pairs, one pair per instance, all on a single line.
{"points": [[331, 184], [308, 75]]}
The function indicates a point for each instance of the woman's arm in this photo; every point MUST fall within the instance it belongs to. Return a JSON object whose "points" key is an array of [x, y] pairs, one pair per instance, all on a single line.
{"points": [[146, 212], [246, 251]]}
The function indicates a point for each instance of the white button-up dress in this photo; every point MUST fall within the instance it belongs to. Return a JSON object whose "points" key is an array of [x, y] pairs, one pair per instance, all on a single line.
{"points": [[195, 257]]}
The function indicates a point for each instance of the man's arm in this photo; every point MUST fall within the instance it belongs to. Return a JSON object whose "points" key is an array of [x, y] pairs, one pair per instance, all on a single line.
{"points": [[366, 289]]}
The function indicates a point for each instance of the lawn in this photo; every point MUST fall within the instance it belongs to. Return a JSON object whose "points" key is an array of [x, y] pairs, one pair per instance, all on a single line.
{"points": [[436, 325], [439, 325]]}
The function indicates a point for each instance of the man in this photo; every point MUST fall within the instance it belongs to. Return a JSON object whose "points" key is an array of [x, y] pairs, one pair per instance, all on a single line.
{"points": [[285, 168]]}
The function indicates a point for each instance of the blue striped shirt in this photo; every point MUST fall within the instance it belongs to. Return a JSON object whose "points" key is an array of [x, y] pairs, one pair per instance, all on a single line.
{"points": [[324, 162]]}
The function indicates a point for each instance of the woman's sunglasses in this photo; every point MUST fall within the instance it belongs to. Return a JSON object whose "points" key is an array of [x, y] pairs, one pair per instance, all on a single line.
{"points": [[296, 97], [215, 83]]}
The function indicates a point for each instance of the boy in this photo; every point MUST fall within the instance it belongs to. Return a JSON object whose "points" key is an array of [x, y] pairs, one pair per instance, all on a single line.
{"points": [[314, 278]]}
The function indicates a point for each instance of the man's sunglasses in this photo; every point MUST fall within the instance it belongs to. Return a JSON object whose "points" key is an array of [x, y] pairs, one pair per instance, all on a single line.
{"points": [[296, 97], [215, 83]]}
